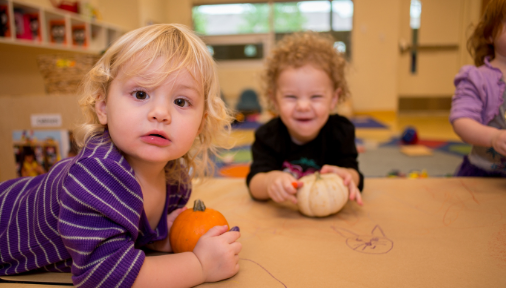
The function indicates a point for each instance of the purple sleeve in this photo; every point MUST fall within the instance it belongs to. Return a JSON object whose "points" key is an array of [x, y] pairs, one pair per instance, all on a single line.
{"points": [[99, 219], [468, 100], [178, 196]]}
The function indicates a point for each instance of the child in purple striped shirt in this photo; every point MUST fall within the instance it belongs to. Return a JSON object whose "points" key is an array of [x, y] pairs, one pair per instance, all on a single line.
{"points": [[153, 113]]}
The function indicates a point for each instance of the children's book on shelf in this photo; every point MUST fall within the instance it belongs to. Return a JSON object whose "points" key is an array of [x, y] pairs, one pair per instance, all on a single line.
{"points": [[79, 35], [57, 31]]}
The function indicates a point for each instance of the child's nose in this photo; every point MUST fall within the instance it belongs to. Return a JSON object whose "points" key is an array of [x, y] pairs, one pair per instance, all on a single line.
{"points": [[303, 104], [160, 114]]}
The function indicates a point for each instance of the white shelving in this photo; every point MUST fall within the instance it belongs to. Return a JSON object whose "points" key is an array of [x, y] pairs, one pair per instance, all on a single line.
{"points": [[71, 31]]}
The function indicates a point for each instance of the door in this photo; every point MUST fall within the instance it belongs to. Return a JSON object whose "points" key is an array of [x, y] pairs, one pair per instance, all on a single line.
{"points": [[432, 50]]}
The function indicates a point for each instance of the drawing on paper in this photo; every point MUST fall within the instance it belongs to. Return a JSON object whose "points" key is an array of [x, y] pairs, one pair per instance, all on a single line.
{"points": [[376, 243], [270, 274]]}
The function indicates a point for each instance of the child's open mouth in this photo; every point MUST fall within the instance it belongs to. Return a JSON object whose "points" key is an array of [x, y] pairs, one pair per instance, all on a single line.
{"points": [[157, 138], [157, 135]]}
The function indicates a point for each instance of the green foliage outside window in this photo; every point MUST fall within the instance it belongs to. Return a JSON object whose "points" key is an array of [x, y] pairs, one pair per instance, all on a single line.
{"points": [[288, 17], [199, 21], [256, 19]]}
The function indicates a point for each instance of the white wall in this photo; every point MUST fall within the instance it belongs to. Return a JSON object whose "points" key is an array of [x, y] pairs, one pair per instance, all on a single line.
{"points": [[373, 73], [152, 11]]}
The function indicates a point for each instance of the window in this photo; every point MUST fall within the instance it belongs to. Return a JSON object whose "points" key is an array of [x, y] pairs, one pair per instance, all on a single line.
{"points": [[342, 15], [303, 15], [227, 20], [223, 19], [415, 11]]}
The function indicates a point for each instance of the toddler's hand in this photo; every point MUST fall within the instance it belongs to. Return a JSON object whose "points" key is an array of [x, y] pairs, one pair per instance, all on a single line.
{"points": [[280, 187], [499, 142], [218, 253], [173, 215], [347, 181]]}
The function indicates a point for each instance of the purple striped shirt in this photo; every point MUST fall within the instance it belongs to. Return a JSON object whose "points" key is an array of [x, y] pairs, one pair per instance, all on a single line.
{"points": [[84, 216]]}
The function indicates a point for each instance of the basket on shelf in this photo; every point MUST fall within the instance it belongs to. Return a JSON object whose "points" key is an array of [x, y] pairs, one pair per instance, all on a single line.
{"points": [[63, 73]]}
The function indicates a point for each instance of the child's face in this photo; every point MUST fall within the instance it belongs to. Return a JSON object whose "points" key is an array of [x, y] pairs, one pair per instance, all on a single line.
{"points": [[153, 124], [304, 98]]}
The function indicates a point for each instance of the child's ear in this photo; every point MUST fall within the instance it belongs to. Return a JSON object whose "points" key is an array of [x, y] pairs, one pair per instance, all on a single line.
{"points": [[100, 109], [335, 98]]}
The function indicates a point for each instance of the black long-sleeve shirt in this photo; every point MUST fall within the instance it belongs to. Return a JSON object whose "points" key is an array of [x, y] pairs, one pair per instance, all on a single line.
{"points": [[273, 148]]}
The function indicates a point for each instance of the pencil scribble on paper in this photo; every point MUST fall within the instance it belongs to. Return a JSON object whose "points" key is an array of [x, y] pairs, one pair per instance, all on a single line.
{"points": [[265, 270], [376, 243]]}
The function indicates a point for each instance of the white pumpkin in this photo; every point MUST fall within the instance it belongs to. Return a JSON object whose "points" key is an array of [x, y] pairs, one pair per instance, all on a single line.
{"points": [[321, 194]]}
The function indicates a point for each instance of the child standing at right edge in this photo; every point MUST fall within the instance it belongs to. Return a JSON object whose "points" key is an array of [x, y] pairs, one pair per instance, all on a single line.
{"points": [[478, 112]]}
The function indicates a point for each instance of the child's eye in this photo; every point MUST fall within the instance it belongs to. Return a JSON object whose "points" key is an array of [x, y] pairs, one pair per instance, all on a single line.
{"points": [[140, 95], [316, 96], [181, 102], [290, 96]]}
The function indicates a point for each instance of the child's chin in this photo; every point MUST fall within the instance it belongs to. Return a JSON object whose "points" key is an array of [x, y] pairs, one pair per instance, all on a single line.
{"points": [[306, 136], [306, 130]]}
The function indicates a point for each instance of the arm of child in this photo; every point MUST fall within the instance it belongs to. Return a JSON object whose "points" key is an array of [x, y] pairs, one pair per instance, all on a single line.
{"points": [[275, 185], [215, 258], [350, 178], [475, 133]]}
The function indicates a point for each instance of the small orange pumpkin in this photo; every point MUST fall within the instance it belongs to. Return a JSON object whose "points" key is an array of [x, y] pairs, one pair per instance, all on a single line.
{"points": [[191, 224]]}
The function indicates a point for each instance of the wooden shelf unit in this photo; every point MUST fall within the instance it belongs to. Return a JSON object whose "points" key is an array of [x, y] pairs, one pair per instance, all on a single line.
{"points": [[73, 31]]}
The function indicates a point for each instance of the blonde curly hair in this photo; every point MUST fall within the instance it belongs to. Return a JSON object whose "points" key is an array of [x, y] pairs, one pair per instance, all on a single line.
{"points": [[181, 49], [298, 49]]}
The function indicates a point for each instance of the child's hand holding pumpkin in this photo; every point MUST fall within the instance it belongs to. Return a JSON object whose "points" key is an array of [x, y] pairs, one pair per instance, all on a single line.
{"points": [[280, 186], [218, 253], [350, 177]]}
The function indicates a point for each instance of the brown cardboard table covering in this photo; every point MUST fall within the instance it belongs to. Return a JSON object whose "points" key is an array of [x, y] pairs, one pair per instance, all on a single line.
{"points": [[434, 232]]}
